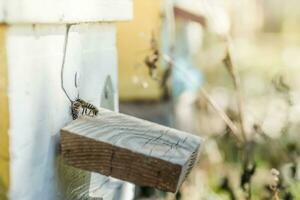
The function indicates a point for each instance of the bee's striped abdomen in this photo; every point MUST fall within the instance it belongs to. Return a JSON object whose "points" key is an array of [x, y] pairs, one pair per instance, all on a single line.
{"points": [[87, 109], [75, 109]]}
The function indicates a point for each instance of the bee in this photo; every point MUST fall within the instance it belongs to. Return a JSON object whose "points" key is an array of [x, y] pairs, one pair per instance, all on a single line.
{"points": [[81, 105], [85, 108], [75, 109], [78, 104], [151, 60]]}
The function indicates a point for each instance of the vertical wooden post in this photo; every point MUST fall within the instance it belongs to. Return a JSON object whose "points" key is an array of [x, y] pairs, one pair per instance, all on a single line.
{"points": [[4, 118]]}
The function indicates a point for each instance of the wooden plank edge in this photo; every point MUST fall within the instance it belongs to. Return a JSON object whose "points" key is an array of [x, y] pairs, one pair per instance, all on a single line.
{"points": [[186, 170], [177, 169]]}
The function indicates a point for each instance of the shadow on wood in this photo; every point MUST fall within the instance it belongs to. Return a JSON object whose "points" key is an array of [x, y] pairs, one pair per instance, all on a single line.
{"points": [[130, 149]]}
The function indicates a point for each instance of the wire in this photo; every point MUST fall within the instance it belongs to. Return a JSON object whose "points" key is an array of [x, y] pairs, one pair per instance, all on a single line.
{"points": [[75, 80], [64, 60]]}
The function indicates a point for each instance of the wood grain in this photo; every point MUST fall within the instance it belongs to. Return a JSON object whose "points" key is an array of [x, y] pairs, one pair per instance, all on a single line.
{"points": [[130, 149]]}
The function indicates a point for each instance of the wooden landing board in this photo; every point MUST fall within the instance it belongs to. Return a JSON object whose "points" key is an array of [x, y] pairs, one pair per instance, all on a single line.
{"points": [[130, 149]]}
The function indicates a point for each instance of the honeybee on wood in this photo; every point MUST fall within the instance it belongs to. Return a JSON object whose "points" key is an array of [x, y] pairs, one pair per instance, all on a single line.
{"points": [[81, 105], [85, 108], [152, 59], [78, 105]]}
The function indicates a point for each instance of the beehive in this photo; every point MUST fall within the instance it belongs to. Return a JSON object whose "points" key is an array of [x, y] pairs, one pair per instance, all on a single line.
{"points": [[33, 105]]}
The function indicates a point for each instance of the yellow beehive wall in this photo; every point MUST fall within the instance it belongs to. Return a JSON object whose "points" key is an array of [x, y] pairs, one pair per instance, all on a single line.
{"points": [[4, 123], [133, 45]]}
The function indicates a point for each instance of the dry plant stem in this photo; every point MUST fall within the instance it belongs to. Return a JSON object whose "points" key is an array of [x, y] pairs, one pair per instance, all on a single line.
{"points": [[232, 68], [214, 105], [249, 192], [221, 113], [275, 196], [274, 186]]}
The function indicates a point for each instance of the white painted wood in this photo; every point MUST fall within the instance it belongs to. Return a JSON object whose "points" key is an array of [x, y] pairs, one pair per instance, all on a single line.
{"points": [[39, 108], [2, 10], [64, 11]]}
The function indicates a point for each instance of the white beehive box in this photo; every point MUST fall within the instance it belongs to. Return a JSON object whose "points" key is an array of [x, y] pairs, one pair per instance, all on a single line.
{"points": [[33, 38]]}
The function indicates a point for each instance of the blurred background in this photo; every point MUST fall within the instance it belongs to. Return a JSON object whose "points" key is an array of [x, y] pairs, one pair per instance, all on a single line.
{"points": [[227, 71]]}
